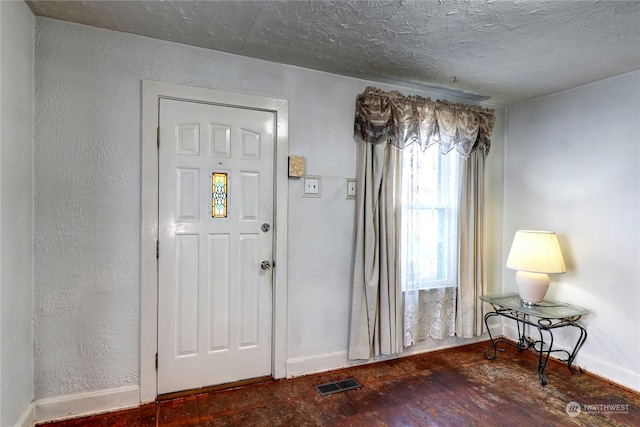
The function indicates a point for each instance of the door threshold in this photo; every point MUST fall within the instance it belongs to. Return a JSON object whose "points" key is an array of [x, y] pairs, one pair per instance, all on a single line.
{"points": [[209, 389]]}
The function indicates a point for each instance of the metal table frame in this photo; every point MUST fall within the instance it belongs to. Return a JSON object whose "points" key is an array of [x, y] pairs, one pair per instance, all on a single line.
{"points": [[550, 315]]}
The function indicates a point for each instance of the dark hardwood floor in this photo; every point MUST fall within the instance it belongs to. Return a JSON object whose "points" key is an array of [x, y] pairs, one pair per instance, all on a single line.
{"points": [[454, 387]]}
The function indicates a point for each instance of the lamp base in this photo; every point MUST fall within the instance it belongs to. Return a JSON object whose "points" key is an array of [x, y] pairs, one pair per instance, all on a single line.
{"points": [[530, 304], [532, 287]]}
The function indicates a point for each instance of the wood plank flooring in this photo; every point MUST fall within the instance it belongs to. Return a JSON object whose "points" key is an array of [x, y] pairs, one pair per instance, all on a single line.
{"points": [[454, 387]]}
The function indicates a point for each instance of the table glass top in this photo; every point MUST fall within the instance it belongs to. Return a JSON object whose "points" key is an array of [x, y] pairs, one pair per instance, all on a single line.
{"points": [[546, 310]]}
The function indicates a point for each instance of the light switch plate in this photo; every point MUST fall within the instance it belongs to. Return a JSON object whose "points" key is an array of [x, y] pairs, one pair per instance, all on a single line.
{"points": [[311, 186], [351, 188]]}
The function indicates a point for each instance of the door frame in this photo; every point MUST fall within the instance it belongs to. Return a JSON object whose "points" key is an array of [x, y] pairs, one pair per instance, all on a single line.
{"points": [[152, 91]]}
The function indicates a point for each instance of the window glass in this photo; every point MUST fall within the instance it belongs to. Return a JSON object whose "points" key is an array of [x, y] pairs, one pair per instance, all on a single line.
{"points": [[219, 195], [429, 233]]}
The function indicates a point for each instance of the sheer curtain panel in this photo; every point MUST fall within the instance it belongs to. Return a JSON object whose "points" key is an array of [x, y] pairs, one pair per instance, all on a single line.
{"points": [[386, 123], [429, 242]]}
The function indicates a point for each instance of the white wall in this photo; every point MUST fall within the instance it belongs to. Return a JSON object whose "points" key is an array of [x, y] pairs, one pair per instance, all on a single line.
{"points": [[87, 199], [16, 211], [573, 166]]}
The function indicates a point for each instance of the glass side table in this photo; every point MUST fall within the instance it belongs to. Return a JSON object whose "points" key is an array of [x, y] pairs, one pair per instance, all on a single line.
{"points": [[546, 317]]}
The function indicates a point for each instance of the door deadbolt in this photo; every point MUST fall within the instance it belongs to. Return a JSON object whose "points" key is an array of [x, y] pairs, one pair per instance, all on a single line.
{"points": [[265, 265]]}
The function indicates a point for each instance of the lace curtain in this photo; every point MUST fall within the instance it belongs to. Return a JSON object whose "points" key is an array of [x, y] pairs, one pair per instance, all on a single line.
{"points": [[429, 313], [384, 124]]}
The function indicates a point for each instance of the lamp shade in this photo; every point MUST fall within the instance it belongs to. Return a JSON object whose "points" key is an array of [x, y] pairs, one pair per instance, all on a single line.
{"points": [[536, 252]]}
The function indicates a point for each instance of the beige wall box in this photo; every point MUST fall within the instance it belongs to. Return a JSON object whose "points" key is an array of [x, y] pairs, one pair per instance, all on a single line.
{"points": [[296, 166]]}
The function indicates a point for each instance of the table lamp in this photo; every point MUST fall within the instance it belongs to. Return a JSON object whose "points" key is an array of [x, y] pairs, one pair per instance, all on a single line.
{"points": [[534, 254]]}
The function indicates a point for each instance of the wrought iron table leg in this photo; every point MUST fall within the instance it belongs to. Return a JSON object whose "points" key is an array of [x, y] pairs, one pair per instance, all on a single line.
{"points": [[494, 342], [574, 353], [543, 356], [524, 342]]}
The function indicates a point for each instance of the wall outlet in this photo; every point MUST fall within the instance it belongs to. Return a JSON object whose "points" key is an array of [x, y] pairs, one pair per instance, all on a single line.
{"points": [[311, 186]]}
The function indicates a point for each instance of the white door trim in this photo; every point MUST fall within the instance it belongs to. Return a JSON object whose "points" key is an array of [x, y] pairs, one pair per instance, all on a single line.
{"points": [[151, 93]]}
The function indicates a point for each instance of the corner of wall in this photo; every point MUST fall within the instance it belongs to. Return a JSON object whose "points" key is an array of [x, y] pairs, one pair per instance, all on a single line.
{"points": [[17, 119], [1, 144]]}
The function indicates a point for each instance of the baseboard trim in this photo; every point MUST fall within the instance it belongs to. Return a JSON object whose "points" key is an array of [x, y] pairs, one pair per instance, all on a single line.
{"points": [[337, 360], [607, 372], [80, 404], [315, 364], [28, 416]]}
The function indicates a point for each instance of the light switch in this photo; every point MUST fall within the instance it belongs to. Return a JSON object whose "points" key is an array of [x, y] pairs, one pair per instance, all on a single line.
{"points": [[351, 188], [311, 186]]}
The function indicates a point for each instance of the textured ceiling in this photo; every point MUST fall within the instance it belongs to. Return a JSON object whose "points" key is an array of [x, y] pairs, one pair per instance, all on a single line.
{"points": [[502, 51]]}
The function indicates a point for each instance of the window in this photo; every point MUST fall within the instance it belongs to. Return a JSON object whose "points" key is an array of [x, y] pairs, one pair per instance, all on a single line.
{"points": [[429, 228], [219, 195]]}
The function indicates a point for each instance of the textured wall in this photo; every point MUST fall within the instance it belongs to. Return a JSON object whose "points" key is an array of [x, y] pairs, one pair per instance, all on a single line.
{"points": [[573, 166], [320, 229], [16, 210], [87, 192], [87, 196]]}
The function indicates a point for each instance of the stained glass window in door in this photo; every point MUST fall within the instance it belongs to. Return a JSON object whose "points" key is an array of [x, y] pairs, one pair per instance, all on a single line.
{"points": [[219, 195]]}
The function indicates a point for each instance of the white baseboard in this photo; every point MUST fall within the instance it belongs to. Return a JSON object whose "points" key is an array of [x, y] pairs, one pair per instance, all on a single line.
{"points": [[339, 359], [78, 404], [315, 364], [614, 374], [28, 416]]}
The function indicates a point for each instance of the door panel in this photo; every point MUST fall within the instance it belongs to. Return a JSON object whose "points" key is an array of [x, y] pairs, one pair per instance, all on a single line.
{"points": [[214, 299]]}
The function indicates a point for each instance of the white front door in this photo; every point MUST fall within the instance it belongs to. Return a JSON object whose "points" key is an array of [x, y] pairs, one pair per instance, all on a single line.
{"points": [[215, 243]]}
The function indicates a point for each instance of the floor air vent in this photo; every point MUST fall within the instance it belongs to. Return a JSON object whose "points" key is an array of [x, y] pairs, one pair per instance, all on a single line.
{"points": [[337, 387]]}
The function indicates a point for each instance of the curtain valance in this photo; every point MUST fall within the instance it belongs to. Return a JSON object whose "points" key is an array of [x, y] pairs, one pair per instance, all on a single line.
{"points": [[402, 120]]}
